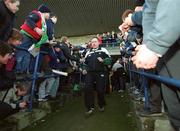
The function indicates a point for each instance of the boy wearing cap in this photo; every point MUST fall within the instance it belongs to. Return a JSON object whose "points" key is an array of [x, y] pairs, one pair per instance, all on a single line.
{"points": [[33, 29]]}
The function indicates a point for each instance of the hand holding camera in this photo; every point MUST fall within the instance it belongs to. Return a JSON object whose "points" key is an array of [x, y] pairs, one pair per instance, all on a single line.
{"points": [[23, 104]]}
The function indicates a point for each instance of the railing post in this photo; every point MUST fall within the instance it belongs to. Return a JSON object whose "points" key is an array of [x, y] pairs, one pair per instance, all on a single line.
{"points": [[145, 86], [130, 75], [34, 82]]}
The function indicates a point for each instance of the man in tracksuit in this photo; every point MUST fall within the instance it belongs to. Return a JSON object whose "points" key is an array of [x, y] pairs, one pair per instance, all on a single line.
{"points": [[96, 60]]}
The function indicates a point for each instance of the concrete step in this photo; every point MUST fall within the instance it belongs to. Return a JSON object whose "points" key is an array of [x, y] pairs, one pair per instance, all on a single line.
{"points": [[162, 125], [150, 123], [154, 123], [53, 105], [23, 119]]}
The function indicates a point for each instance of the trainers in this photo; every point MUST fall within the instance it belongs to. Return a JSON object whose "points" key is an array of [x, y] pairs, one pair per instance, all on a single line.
{"points": [[120, 91], [92, 108], [101, 109], [42, 99], [147, 113], [89, 112]]}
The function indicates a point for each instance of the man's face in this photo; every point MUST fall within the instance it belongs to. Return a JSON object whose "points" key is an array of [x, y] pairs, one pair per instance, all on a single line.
{"points": [[4, 59], [94, 43], [13, 7]]}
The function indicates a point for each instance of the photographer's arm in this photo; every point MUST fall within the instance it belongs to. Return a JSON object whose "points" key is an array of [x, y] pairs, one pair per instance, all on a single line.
{"points": [[166, 27]]}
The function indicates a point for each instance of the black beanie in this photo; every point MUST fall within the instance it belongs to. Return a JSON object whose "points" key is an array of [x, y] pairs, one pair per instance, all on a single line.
{"points": [[44, 9], [139, 2]]}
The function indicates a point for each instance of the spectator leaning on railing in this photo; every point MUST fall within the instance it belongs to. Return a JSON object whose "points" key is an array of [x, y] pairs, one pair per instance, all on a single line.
{"points": [[161, 29], [33, 30], [5, 55]]}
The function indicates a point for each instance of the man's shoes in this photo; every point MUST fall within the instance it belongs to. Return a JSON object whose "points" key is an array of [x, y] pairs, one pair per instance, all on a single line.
{"points": [[120, 91], [150, 113], [101, 109], [89, 112]]}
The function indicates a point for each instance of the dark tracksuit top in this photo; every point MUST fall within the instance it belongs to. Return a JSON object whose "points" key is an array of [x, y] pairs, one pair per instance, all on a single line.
{"points": [[95, 74], [91, 61]]}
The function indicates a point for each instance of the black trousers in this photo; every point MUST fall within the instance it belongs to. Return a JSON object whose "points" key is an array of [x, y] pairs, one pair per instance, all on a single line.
{"points": [[119, 79], [155, 92], [169, 67], [97, 80], [6, 110]]}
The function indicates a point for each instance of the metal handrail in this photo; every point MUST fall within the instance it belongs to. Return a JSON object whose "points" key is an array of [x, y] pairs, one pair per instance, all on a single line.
{"points": [[166, 80], [171, 81]]}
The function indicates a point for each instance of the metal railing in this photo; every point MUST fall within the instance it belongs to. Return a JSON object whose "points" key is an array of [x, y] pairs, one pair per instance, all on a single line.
{"points": [[145, 76], [35, 76]]}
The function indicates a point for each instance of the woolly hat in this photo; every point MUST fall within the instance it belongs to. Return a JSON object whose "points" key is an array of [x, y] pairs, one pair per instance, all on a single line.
{"points": [[139, 2], [44, 9], [57, 46]]}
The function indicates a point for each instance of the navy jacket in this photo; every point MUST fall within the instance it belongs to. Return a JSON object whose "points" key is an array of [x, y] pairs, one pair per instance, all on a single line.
{"points": [[50, 29], [57, 60]]}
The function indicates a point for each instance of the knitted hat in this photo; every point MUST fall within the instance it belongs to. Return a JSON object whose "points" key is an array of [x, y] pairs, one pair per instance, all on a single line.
{"points": [[44, 9], [57, 46], [139, 2]]}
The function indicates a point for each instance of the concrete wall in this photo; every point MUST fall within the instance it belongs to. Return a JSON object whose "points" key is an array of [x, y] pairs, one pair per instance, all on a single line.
{"points": [[80, 40]]}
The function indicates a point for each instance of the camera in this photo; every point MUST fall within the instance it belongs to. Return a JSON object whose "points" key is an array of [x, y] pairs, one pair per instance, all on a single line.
{"points": [[133, 39]]}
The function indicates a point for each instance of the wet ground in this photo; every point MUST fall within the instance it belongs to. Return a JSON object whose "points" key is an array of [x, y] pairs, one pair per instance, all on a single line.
{"points": [[116, 117]]}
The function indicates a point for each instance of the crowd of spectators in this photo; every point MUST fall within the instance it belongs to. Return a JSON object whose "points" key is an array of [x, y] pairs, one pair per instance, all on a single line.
{"points": [[150, 43], [143, 41]]}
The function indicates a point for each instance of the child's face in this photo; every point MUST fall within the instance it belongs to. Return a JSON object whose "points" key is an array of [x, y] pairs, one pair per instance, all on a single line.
{"points": [[57, 49], [128, 20], [14, 42], [21, 93], [46, 15], [4, 59]]}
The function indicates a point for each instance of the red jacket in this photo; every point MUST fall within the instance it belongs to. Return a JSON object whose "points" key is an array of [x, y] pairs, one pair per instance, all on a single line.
{"points": [[31, 31]]}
